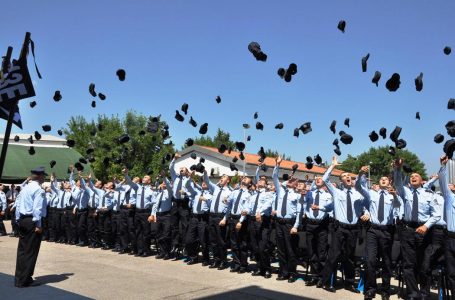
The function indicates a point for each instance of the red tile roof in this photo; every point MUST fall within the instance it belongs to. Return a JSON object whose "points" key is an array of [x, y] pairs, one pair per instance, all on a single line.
{"points": [[252, 159]]}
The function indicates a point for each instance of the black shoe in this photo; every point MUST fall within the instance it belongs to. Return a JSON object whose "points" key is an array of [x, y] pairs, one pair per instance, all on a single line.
{"points": [[224, 265], [146, 254], [205, 263], [352, 288], [234, 269], [191, 262], [257, 273], [138, 254], [292, 278], [320, 284], [267, 274], [159, 256], [385, 296], [132, 253], [166, 257], [123, 251], [242, 270], [282, 278], [116, 250], [105, 248], [214, 265], [311, 282], [329, 288]]}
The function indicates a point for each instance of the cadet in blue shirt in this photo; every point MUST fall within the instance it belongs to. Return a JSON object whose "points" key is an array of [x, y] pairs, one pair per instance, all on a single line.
{"points": [[81, 197], [29, 211], [143, 198], [104, 211], [449, 216], [237, 213], [316, 226], [287, 214], [197, 233], [260, 226], [180, 210], [420, 214], [349, 206], [161, 215], [383, 208], [51, 199], [127, 233], [3, 208], [217, 221], [64, 206], [92, 217]]}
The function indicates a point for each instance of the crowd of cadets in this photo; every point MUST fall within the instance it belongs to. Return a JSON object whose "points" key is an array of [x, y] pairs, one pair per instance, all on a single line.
{"points": [[256, 217]]}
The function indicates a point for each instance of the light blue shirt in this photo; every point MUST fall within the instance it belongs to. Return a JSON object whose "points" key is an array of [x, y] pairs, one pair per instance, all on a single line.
{"points": [[138, 192], [31, 202], [65, 198], [339, 201], [93, 197], [197, 194], [264, 205], [3, 204], [427, 208], [243, 203], [222, 193], [392, 204], [293, 206], [449, 203], [176, 181], [106, 198], [325, 199], [163, 199]]}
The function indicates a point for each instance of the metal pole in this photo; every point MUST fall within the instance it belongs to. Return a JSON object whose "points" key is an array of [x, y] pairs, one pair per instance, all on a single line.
{"points": [[369, 175], [244, 141]]}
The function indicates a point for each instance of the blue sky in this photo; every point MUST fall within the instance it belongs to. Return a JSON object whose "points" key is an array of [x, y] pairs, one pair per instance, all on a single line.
{"points": [[192, 51]]}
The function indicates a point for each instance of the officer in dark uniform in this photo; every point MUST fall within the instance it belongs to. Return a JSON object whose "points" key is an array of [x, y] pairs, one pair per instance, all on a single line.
{"points": [[29, 212]]}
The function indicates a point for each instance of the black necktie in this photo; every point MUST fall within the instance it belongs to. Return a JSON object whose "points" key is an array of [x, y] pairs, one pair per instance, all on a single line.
{"points": [[237, 201], [284, 204], [118, 201], [217, 202], [381, 208], [256, 203], [349, 206], [199, 205], [160, 200], [103, 203], [127, 197], [316, 202], [93, 200], [415, 207], [142, 198], [63, 199], [179, 187]]}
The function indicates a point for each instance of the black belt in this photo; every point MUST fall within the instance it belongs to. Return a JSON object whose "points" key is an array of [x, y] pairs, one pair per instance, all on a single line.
{"points": [[201, 216], [235, 217], [315, 221], [141, 210], [180, 200], [217, 215], [161, 214], [82, 210], [412, 224], [347, 226], [115, 212], [25, 216], [451, 234], [381, 227], [285, 220]]}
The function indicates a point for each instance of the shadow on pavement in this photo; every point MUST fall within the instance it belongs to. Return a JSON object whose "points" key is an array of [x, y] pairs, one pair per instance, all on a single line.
{"points": [[8, 291], [254, 292]]}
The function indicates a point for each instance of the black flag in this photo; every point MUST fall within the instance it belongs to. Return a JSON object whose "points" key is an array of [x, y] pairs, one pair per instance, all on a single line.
{"points": [[4, 112], [17, 84]]}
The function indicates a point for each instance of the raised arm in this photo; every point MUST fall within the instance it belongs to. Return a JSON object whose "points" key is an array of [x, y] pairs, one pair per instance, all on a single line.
{"points": [[275, 173], [172, 167], [361, 185], [444, 183], [71, 179], [256, 176], [430, 182], [128, 180], [398, 178], [207, 180]]}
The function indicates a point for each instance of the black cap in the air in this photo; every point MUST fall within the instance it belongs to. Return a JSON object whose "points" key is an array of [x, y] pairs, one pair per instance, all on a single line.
{"points": [[346, 139], [337, 151], [407, 168], [346, 122], [93, 103], [233, 167], [218, 99], [193, 155], [32, 104], [439, 138], [124, 138], [37, 136], [31, 150], [241, 156], [318, 159], [256, 115], [16, 138], [364, 62], [306, 128], [89, 151], [295, 167], [333, 126], [52, 163], [47, 128], [193, 122], [255, 49], [419, 82], [383, 132], [400, 144], [296, 132], [395, 133], [57, 96], [279, 126], [447, 50], [392, 150], [91, 89], [418, 115], [222, 148], [189, 142], [185, 108], [393, 84], [451, 103], [70, 143], [101, 96], [341, 25], [240, 146], [83, 160], [449, 148], [373, 136], [30, 139], [204, 128], [178, 116], [79, 166], [376, 78], [60, 132], [259, 126], [235, 159], [121, 74], [248, 138], [450, 126]]}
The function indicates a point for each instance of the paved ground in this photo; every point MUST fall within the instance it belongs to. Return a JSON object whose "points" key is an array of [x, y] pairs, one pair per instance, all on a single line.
{"points": [[69, 272]]}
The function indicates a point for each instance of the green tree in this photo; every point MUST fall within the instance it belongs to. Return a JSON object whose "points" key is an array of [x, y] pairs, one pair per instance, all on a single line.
{"points": [[380, 161], [143, 154], [221, 137]]}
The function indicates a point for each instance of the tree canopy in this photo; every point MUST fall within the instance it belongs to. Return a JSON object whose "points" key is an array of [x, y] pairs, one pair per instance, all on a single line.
{"points": [[144, 153], [380, 161], [221, 137]]}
